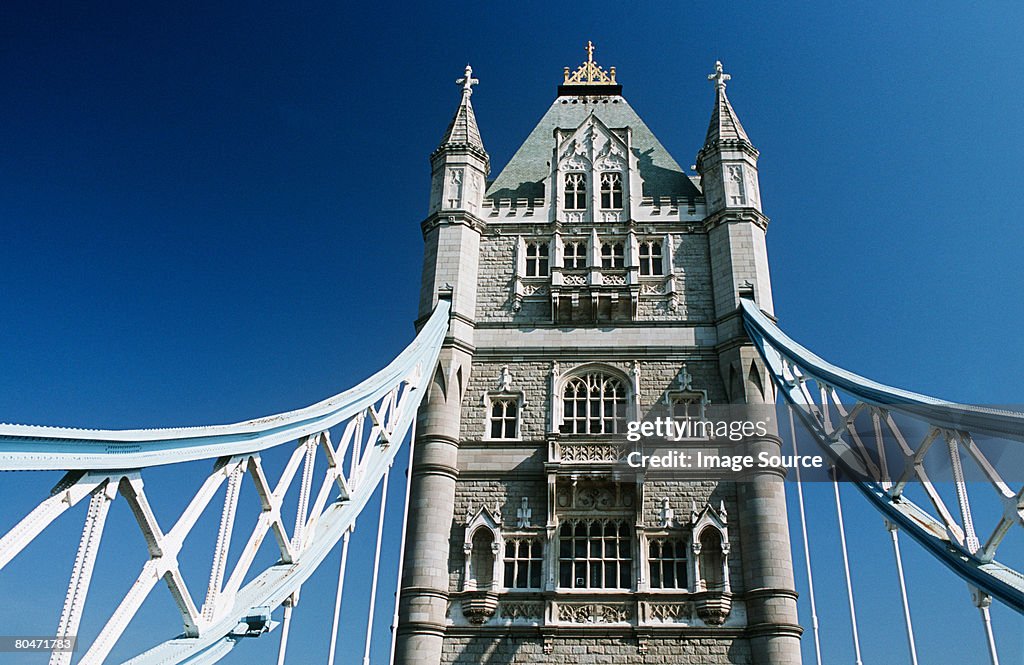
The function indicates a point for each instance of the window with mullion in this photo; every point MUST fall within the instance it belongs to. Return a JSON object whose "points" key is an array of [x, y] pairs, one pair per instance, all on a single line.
{"points": [[524, 558], [611, 190], [593, 404], [651, 260], [574, 255], [575, 191], [504, 418], [536, 259], [613, 255], [668, 562], [595, 554]]}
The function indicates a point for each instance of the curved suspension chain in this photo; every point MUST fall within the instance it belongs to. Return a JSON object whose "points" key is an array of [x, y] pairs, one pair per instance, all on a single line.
{"points": [[370, 423]]}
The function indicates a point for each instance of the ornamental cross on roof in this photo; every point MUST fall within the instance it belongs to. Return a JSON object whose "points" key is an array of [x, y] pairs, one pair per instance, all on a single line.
{"points": [[590, 73], [719, 76], [467, 82]]}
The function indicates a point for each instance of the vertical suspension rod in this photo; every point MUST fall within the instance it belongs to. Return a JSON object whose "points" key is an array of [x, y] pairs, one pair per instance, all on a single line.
{"points": [[807, 548], [401, 546], [337, 598], [846, 568], [285, 625], [982, 601], [894, 532], [376, 566]]}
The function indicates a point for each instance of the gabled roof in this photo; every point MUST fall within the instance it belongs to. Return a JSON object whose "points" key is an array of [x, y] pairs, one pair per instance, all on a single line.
{"points": [[525, 173]]}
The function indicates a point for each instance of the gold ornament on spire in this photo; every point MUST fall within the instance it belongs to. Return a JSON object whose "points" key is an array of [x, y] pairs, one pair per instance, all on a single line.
{"points": [[589, 73]]}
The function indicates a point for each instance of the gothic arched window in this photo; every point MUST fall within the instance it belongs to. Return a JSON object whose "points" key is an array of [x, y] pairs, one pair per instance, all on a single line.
{"points": [[611, 190], [595, 554], [651, 262], [593, 403], [575, 191], [536, 259], [613, 255]]}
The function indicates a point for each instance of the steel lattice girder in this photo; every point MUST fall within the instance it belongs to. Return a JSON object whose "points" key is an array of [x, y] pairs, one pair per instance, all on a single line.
{"points": [[377, 415], [792, 366]]}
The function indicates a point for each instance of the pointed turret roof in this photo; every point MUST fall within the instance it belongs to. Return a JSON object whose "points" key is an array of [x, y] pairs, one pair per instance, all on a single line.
{"points": [[725, 124], [463, 132]]}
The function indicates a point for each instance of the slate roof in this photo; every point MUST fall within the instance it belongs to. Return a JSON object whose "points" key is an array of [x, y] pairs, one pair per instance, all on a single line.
{"points": [[463, 130], [525, 173], [725, 124]]}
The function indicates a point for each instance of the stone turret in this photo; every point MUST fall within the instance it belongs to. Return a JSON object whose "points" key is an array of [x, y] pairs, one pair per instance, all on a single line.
{"points": [[451, 234], [739, 268]]}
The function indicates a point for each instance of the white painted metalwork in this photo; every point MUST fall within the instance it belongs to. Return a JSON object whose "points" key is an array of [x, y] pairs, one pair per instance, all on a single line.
{"points": [[846, 570], [812, 387], [894, 532], [807, 547], [401, 546], [376, 568], [370, 421], [337, 597]]}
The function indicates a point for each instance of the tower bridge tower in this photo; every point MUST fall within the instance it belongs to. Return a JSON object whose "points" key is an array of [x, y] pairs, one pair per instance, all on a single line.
{"points": [[593, 282]]}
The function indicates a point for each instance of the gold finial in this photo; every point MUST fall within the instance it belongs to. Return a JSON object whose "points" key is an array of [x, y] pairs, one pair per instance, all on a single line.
{"points": [[589, 73], [467, 82], [719, 76]]}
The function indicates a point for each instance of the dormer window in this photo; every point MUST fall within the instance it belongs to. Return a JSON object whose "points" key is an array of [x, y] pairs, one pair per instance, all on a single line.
{"points": [[611, 190], [613, 255], [536, 259], [651, 262], [575, 191], [575, 255]]}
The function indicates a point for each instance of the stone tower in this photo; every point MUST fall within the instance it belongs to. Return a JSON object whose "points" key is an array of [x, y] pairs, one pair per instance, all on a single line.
{"points": [[593, 283]]}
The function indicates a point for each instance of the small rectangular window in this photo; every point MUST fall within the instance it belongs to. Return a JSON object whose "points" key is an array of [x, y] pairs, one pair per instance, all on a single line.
{"points": [[613, 255], [668, 563], [504, 418], [574, 255], [536, 259], [651, 262]]}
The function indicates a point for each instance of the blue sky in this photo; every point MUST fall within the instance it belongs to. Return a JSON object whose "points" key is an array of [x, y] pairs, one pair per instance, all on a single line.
{"points": [[210, 211]]}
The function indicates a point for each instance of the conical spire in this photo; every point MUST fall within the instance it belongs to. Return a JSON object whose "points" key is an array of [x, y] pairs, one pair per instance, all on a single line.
{"points": [[725, 125], [463, 132]]}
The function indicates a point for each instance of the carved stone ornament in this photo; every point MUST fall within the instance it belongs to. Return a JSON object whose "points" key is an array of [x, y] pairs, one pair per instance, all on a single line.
{"points": [[713, 607], [523, 610], [595, 612], [479, 606], [670, 612]]}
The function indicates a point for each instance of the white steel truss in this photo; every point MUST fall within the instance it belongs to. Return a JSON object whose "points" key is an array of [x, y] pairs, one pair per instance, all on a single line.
{"points": [[852, 418], [371, 422]]}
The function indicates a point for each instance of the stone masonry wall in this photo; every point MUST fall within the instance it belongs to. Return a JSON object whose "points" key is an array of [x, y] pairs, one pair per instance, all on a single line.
{"points": [[691, 266], [508, 649]]}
